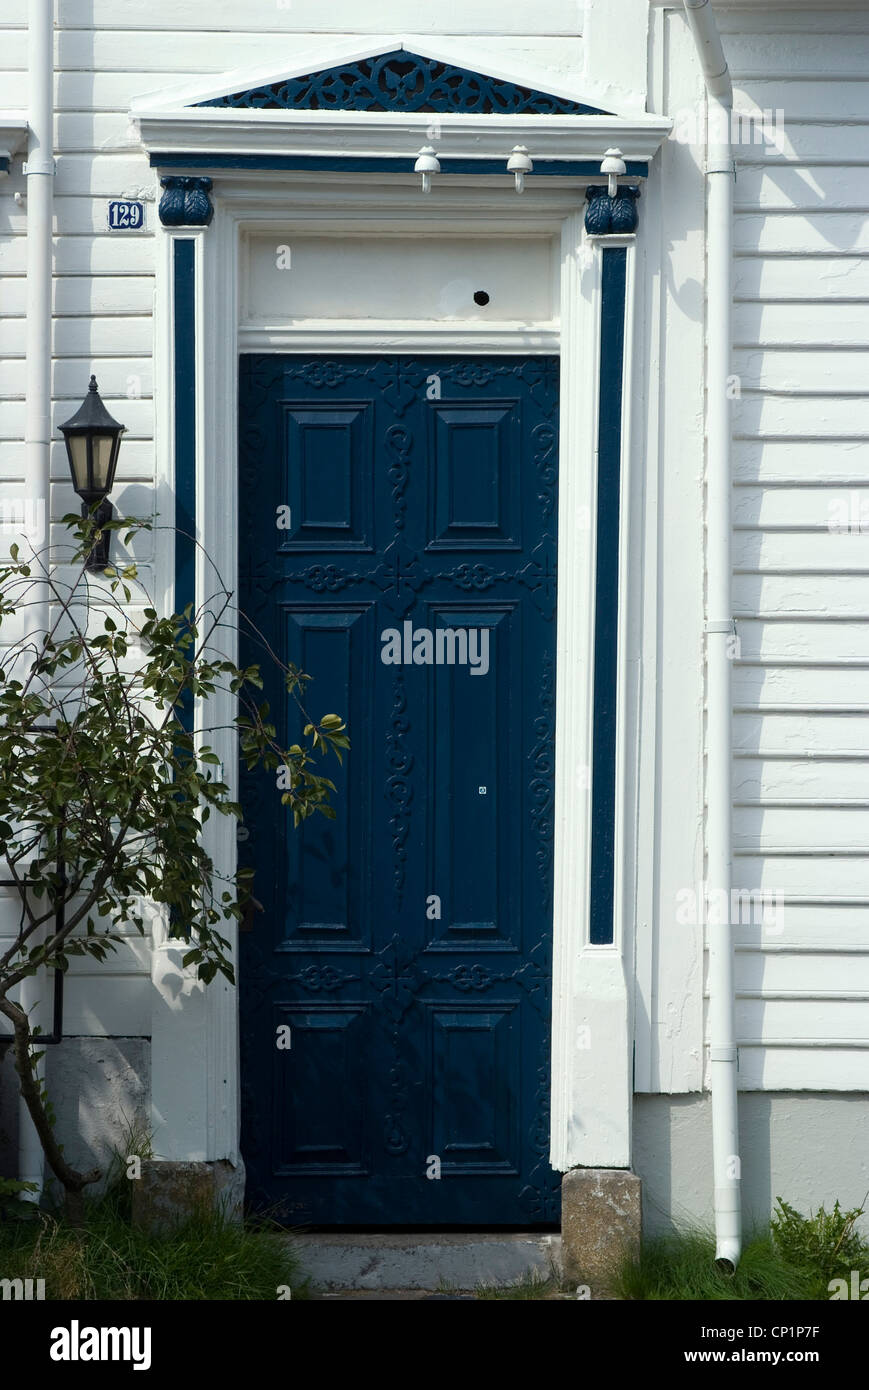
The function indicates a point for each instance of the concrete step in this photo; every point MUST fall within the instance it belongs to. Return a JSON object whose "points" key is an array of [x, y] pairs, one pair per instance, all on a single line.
{"points": [[426, 1261], [393, 1296]]}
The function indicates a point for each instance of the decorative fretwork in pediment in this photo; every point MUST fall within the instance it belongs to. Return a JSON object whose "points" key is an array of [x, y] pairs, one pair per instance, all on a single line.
{"points": [[403, 81]]}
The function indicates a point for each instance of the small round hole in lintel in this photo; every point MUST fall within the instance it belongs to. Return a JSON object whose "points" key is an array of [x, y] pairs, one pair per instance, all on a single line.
{"points": [[481, 297]]}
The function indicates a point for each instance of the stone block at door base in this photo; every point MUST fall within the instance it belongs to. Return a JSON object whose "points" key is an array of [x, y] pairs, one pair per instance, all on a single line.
{"points": [[170, 1192], [601, 1221]]}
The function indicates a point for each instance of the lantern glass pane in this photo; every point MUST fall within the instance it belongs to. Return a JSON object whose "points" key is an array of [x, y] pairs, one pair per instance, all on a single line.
{"points": [[77, 445], [103, 446]]}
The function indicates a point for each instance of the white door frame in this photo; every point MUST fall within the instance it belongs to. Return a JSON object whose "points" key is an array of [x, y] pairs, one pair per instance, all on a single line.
{"points": [[196, 1105]]}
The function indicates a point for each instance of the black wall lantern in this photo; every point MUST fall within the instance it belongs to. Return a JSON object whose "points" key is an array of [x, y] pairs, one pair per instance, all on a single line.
{"points": [[93, 442]]}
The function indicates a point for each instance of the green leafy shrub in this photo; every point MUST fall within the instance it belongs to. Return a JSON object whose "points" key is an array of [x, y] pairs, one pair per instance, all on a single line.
{"points": [[826, 1245], [794, 1258], [106, 779]]}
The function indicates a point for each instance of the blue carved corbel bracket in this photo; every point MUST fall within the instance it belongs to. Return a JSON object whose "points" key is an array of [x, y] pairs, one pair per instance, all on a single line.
{"points": [[185, 202], [606, 216]]}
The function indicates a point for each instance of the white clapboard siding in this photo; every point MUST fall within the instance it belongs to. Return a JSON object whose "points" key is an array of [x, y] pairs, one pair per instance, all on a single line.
{"points": [[86, 91], [758, 57], [130, 499], [804, 142], [791, 233], [801, 685], [132, 956], [791, 641], [135, 463], [103, 1005], [839, 371], [81, 132], [788, 733], [793, 552], [812, 931], [803, 1018], [816, 829], [118, 378], [83, 217], [778, 188], [86, 296], [783, 973], [801, 556], [147, 53], [787, 277], [800, 782], [805, 462], [813, 323], [802, 1065], [88, 612], [306, 16], [841, 100], [104, 294], [85, 338], [103, 255], [806, 878], [106, 174], [835, 510], [109, 998], [138, 416], [811, 595]]}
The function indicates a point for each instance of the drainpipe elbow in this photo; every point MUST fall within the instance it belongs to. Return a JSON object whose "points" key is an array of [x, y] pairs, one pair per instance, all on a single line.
{"points": [[728, 1252], [710, 50]]}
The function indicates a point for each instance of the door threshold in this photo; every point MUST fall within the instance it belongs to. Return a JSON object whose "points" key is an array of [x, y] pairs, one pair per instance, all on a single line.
{"points": [[427, 1259], [311, 1228]]}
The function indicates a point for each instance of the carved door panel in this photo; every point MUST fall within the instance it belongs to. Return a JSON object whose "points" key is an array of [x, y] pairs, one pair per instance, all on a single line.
{"points": [[396, 513]]}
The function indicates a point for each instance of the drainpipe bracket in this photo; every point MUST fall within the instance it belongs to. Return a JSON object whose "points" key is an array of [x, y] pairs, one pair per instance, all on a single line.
{"points": [[721, 625], [723, 1054], [38, 166], [720, 166]]}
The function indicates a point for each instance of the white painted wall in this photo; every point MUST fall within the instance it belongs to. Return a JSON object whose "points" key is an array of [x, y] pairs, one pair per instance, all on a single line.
{"points": [[786, 1150]]}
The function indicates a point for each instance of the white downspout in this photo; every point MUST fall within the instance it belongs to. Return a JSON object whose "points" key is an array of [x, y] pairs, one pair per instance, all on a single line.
{"points": [[719, 627], [39, 171]]}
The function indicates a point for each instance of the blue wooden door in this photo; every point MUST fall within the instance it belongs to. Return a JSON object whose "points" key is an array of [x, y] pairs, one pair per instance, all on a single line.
{"points": [[407, 944]]}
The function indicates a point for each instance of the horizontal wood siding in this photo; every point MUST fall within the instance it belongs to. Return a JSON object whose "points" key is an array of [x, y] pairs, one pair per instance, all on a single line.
{"points": [[801, 582]]}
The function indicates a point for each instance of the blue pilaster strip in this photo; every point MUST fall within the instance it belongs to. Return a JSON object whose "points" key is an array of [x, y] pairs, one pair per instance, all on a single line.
{"points": [[603, 800], [184, 330]]}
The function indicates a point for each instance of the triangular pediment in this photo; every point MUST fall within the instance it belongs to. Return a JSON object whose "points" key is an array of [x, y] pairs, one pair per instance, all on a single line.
{"points": [[351, 108], [401, 81]]}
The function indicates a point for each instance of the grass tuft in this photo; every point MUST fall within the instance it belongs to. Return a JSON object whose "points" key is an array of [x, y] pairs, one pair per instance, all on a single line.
{"points": [[531, 1285], [794, 1258], [207, 1257]]}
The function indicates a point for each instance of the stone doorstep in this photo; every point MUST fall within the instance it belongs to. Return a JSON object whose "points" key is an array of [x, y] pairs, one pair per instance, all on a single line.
{"points": [[391, 1296], [601, 1222], [417, 1262]]}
